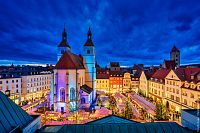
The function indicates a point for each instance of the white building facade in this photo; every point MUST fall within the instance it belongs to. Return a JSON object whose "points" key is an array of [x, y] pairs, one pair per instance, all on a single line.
{"points": [[12, 88], [74, 77]]}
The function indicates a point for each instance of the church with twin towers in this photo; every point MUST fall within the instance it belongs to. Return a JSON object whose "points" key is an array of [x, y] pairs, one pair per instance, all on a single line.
{"points": [[74, 82]]}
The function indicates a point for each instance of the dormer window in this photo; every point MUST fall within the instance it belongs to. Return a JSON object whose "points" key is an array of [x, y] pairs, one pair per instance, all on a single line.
{"points": [[192, 77]]}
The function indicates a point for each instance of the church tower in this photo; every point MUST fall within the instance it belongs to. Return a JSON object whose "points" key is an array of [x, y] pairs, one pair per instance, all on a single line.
{"points": [[175, 55], [89, 56], [63, 46]]}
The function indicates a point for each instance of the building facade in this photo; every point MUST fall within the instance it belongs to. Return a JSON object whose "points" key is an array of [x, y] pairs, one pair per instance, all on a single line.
{"points": [[35, 87], [143, 84], [102, 81], [126, 82], [12, 88], [115, 81], [74, 77], [157, 85]]}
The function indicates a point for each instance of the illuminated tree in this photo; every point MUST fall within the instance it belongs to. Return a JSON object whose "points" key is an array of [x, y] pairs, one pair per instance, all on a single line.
{"points": [[161, 112], [127, 111], [112, 104]]}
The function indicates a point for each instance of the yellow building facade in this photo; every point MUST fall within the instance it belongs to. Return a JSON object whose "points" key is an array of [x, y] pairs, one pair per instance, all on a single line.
{"points": [[126, 82], [143, 84], [102, 85]]}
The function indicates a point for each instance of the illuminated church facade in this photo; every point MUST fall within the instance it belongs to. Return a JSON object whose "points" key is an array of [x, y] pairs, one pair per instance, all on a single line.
{"points": [[74, 82]]}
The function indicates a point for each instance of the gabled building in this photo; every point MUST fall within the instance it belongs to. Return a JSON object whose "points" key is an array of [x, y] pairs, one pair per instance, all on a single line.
{"points": [[126, 82], [157, 85], [144, 82], [169, 64]]}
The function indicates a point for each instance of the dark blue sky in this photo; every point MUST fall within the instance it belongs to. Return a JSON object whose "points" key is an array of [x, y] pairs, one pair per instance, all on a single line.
{"points": [[130, 32]]}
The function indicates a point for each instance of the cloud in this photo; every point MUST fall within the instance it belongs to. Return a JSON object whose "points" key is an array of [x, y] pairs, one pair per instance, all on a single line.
{"points": [[129, 31]]}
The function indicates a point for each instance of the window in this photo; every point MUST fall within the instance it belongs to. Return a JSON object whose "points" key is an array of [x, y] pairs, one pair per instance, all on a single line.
{"points": [[177, 91], [17, 91], [16, 80], [16, 86], [185, 101], [0, 82], [177, 99], [12, 81], [82, 100], [88, 51], [6, 81], [191, 95], [172, 97], [62, 95], [72, 94]]}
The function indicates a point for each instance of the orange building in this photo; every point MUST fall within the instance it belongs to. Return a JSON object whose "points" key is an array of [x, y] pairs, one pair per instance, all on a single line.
{"points": [[116, 81]]}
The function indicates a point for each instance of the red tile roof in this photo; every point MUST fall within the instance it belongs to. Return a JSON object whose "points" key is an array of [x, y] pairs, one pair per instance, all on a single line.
{"points": [[102, 76], [186, 73], [161, 73], [116, 74], [169, 64], [148, 74], [70, 61]]}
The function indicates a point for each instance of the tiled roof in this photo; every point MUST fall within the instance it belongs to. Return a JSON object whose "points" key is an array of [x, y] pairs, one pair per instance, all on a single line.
{"points": [[102, 76], [186, 73], [160, 74], [86, 89], [148, 74], [137, 67], [116, 74], [70, 61], [11, 115], [169, 64], [149, 127], [137, 74]]}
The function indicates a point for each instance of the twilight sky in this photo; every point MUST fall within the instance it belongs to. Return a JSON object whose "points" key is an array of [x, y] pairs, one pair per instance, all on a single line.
{"points": [[130, 32]]}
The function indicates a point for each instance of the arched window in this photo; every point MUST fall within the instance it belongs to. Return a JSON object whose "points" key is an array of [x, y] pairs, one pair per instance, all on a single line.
{"points": [[72, 94], [62, 95], [82, 100]]}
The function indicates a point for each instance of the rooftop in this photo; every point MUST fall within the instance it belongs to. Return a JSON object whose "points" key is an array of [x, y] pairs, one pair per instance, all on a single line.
{"points": [[111, 119], [11, 115], [155, 127], [70, 61]]}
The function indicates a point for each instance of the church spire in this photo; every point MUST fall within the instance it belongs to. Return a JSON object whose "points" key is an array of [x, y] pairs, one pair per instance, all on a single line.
{"points": [[64, 42], [89, 39], [89, 33], [64, 34]]}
